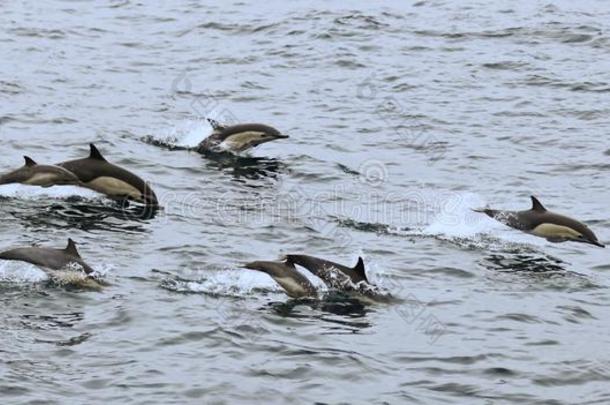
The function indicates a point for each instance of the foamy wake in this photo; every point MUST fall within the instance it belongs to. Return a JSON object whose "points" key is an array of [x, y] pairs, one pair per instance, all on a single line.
{"points": [[225, 283], [17, 272], [21, 191], [21, 273]]}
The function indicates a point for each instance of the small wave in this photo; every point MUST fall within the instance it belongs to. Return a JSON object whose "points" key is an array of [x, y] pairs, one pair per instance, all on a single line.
{"points": [[505, 65], [361, 21], [380, 229], [38, 33], [10, 88]]}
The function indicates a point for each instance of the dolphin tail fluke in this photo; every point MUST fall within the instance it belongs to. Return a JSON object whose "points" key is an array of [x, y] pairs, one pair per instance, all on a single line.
{"points": [[487, 211], [253, 266], [216, 126]]}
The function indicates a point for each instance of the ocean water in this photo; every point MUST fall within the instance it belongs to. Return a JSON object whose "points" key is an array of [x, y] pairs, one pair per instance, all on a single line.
{"points": [[402, 116]]}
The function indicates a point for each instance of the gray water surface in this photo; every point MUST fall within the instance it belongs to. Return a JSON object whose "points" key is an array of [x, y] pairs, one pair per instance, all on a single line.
{"points": [[402, 115]]}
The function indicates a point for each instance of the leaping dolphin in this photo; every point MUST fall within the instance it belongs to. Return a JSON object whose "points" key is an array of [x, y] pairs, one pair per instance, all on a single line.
{"points": [[543, 223], [237, 138], [48, 258], [320, 267], [287, 276], [34, 174], [342, 278], [96, 173]]}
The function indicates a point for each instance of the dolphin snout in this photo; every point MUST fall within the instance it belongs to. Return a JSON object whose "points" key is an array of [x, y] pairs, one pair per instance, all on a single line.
{"points": [[282, 136], [250, 265], [596, 243]]}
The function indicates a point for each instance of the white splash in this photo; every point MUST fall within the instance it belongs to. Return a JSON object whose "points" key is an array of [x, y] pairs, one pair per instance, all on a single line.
{"points": [[187, 134], [21, 273], [236, 282], [22, 191], [13, 271], [457, 218]]}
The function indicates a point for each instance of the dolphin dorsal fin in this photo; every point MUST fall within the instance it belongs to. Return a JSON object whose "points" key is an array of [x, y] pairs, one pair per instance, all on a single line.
{"points": [[29, 162], [537, 205], [216, 125], [95, 154], [359, 268], [71, 248]]}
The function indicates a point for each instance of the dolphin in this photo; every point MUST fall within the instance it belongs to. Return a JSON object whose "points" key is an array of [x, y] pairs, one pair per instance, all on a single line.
{"points": [[237, 138], [287, 276], [34, 174], [320, 267], [540, 222], [48, 258], [96, 173], [350, 280]]}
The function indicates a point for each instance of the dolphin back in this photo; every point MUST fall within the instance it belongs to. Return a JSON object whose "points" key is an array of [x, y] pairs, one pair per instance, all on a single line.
{"points": [[54, 259]]}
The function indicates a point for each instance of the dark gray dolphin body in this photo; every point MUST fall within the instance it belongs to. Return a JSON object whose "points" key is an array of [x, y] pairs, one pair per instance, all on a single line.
{"points": [[540, 222], [34, 174], [320, 267], [351, 280], [287, 276], [237, 138], [96, 173], [48, 258]]}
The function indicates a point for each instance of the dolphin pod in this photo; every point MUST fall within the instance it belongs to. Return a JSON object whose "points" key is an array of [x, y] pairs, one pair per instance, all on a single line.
{"points": [[97, 173], [93, 172]]}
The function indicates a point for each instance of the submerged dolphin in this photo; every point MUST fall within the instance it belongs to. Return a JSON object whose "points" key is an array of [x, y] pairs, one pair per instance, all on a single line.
{"points": [[48, 258], [540, 222], [96, 173], [237, 138], [286, 275], [34, 174]]}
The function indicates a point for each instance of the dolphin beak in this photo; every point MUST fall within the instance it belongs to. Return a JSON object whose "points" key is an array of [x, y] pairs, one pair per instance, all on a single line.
{"points": [[281, 136], [590, 242], [596, 243]]}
